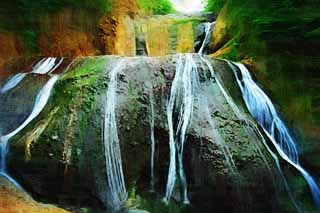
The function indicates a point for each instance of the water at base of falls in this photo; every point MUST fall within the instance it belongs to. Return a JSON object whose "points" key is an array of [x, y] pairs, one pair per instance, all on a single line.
{"points": [[262, 109], [117, 193]]}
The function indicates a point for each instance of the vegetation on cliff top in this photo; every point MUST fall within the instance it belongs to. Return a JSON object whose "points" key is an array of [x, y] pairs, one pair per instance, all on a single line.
{"points": [[286, 25], [157, 7], [214, 5]]}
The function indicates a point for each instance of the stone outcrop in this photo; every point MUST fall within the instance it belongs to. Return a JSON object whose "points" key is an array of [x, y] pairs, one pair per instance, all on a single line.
{"points": [[60, 156], [16, 200]]}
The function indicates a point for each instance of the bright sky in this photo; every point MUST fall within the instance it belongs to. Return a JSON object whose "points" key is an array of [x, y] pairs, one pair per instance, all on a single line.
{"points": [[188, 6]]}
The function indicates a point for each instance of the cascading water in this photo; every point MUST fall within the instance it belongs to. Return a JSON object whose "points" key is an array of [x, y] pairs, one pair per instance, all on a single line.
{"points": [[40, 102], [183, 90], [208, 29], [44, 66], [116, 184], [262, 109], [252, 125], [13, 82]]}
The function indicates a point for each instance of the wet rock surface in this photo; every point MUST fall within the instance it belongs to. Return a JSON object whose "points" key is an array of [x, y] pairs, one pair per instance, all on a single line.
{"points": [[65, 163]]}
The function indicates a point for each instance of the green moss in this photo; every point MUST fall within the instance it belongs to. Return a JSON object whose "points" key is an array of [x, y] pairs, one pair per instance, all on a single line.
{"points": [[152, 203], [134, 108]]}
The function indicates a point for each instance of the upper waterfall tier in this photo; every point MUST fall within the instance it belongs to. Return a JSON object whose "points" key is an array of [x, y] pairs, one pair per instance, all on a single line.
{"points": [[153, 35]]}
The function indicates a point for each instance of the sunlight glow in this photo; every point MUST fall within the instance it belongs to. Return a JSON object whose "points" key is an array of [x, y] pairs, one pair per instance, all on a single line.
{"points": [[188, 6]]}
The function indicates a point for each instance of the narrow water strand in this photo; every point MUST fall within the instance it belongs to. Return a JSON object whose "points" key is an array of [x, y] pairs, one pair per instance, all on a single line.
{"points": [[228, 98], [208, 31], [56, 66], [172, 147], [115, 178], [152, 140], [219, 140], [181, 101], [262, 109], [3, 154], [277, 163]]}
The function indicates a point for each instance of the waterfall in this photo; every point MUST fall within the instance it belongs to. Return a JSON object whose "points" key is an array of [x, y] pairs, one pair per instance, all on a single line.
{"points": [[248, 123], [40, 102], [152, 139], [44, 66], [116, 183], [262, 109], [183, 90], [208, 29]]}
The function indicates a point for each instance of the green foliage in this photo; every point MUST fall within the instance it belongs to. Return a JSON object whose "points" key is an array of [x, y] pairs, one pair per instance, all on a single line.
{"points": [[157, 7], [215, 5], [26, 13], [30, 40], [46, 6]]}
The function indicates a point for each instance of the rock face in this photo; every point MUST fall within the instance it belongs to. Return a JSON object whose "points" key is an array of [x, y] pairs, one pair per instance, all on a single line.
{"points": [[150, 35], [11, 47], [60, 156]]}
